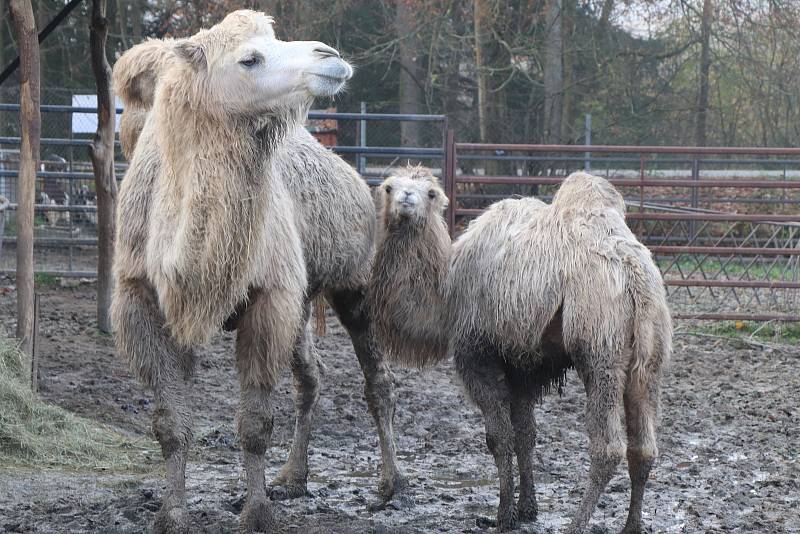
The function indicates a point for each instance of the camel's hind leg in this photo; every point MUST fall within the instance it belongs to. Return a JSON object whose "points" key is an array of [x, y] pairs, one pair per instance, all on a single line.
{"points": [[486, 384], [379, 383], [604, 385], [522, 419], [264, 341], [641, 416], [305, 369], [142, 338]]}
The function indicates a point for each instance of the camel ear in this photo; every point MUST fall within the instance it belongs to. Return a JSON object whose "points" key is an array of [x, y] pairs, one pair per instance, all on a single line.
{"points": [[192, 53], [137, 70]]}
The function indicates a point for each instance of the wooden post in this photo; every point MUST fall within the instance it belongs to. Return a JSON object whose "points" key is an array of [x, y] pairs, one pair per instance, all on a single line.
{"points": [[24, 27], [101, 152]]}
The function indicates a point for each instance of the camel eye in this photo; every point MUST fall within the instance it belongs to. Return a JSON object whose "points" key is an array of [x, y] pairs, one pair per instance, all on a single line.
{"points": [[250, 61], [431, 194], [388, 189]]}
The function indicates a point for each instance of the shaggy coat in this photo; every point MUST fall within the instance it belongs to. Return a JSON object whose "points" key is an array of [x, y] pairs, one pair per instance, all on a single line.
{"points": [[232, 214], [527, 292]]}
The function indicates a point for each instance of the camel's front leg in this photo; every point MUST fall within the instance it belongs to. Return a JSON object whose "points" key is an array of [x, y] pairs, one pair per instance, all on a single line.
{"points": [[379, 383], [266, 333], [305, 369], [159, 364]]}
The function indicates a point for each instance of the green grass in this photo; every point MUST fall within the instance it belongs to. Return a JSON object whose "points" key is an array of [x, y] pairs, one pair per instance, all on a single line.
{"points": [[736, 267], [34, 433], [45, 280], [784, 333]]}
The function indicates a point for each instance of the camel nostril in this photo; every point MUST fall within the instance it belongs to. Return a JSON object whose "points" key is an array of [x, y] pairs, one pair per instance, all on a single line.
{"points": [[326, 52]]}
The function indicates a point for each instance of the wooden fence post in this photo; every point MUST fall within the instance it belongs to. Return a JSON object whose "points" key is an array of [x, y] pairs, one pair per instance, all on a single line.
{"points": [[101, 152], [24, 27]]}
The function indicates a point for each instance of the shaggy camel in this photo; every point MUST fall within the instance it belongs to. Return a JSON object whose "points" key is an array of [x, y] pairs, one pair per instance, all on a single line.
{"points": [[529, 291], [232, 214]]}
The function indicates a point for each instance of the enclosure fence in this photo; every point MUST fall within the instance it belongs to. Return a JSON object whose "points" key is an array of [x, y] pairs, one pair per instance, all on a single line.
{"points": [[65, 234], [722, 223]]}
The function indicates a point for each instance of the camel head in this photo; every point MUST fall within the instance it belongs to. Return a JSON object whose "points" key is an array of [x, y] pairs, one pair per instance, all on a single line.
{"points": [[411, 196], [238, 67]]}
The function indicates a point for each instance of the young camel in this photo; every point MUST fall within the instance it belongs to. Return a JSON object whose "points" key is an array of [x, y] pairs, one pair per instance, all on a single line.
{"points": [[529, 291], [232, 213]]}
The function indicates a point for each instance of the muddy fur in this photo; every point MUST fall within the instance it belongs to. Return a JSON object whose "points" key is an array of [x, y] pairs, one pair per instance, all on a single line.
{"points": [[527, 292], [232, 214]]}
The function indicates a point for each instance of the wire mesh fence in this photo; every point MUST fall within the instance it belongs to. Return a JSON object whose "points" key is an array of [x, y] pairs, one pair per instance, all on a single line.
{"points": [[722, 223]]}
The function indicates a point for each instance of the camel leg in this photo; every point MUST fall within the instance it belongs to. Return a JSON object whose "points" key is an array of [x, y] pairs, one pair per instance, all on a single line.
{"points": [[305, 369], [522, 419], [261, 353], [379, 383], [485, 382], [641, 416], [167, 370], [604, 386]]}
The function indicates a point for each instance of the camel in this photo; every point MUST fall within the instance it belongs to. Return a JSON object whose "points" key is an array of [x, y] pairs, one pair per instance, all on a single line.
{"points": [[526, 293], [232, 215]]}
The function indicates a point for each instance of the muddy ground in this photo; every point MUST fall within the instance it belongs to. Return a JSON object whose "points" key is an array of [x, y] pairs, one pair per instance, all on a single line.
{"points": [[729, 444]]}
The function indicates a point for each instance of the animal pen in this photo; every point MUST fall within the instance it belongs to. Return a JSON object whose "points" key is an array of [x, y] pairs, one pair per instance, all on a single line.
{"points": [[722, 223]]}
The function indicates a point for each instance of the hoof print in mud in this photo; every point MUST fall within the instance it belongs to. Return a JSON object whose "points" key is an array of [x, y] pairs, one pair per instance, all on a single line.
{"points": [[400, 501]]}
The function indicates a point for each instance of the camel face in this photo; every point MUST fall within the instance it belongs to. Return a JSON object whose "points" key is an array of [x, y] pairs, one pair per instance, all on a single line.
{"points": [[411, 195], [243, 69]]}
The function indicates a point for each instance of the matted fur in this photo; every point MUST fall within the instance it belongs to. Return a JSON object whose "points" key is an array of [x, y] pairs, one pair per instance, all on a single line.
{"points": [[512, 270], [424, 339], [528, 291], [215, 203]]}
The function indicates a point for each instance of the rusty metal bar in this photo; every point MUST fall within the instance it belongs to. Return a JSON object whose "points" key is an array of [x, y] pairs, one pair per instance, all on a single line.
{"points": [[622, 182], [749, 284], [650, 216], [450, 181], [632, 149], [738, 317], [726, 251]]}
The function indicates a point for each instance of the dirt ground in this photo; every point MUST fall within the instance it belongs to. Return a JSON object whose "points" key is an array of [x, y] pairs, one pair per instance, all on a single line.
{"points": [[729, 444]]}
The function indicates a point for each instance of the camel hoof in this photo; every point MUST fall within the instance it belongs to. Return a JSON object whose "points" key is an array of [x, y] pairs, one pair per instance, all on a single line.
{"points": [[288, 490], [256, 517], [391, 487], [527, 511], [507, 521], [631, 529], [174, 520], [288, 485]]}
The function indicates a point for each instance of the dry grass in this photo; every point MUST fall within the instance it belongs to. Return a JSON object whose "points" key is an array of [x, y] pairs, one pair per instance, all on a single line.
{"points": [[34, 433]]}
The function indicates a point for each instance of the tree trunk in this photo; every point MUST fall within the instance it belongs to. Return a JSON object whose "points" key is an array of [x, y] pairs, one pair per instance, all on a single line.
{"points": [[101, 152], [705, 66], [482, 23], [411, 72], [136, 22], [569, 62], [31, 125], [553, 73]]}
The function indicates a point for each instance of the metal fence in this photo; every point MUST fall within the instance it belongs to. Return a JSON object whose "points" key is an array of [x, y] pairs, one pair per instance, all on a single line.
{"points": [[65, 233], [723, 223]]}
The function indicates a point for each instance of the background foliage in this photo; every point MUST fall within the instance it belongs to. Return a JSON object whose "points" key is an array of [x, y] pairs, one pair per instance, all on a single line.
{"points": [[509, 70]]}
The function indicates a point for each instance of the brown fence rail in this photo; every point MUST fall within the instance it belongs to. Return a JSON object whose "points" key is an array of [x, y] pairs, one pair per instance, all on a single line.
{"points": [[723, 223]]}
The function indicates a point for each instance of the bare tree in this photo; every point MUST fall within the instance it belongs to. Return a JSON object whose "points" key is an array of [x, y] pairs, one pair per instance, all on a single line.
{"points": [[101, 152], [411, 71], [31, 124], [705, 66], [482, 17], [553, 72]]}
